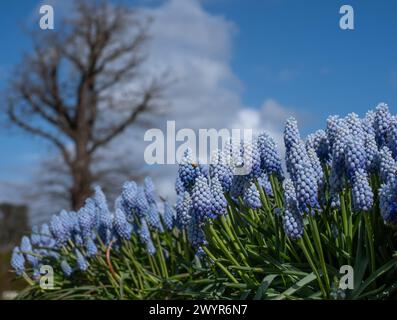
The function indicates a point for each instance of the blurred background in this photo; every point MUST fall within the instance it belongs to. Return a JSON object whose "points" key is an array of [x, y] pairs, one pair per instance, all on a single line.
{"points": [[76, 100]]}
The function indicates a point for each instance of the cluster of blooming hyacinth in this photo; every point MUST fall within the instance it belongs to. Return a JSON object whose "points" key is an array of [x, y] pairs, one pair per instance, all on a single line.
{"points": [[201, 188], [94, 225], [353, 149], [350, 149]]}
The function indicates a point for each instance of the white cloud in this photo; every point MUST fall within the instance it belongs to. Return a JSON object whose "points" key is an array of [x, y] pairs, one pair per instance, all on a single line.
{"points": [[270, 117], [196, 47]]}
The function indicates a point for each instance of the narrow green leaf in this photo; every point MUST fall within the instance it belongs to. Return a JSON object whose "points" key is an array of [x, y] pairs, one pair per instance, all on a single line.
{"points": [[297, 286], [266, 282]]}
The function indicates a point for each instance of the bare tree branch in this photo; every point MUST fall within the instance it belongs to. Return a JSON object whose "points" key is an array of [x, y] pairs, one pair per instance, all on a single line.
{"points": [[119, 128], [62, 86], [39, 132]]}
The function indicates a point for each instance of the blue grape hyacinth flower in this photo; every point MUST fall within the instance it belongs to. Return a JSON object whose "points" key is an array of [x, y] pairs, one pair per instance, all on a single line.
{"points": [[187, 169], [26, 248], [219, 202], [391, 136], [91, 247], [251, 197], [363, 196], [316, 165], [179, 187], [146, 238], [252, 158], [369, 120], [292, 219], [293, 224], [128, 197], [264, 183], [66, 268], [35, 236], [238, 186], [291, 133], [18, 261], [200, 253], [150, 190], [58, 230], [355, 157], [340, 132], [46, 239], [270, 158], [371, 148], [290, 200], [169, 216], [105, 219], [303, 176], [142, 205], [319, 142], [81, 261], [333, 126], [86, 217], [122, 227], [151, 249], [382, 121], [355, 126], [202, 199], [153, 218], [388, 200], [183, 209], [195, 233], [220, 168], [387, 165]]}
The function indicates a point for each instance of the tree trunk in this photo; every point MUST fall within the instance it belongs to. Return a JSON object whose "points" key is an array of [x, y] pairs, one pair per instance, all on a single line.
{"points": [[81, 175], [81, 188], [93, 46]]}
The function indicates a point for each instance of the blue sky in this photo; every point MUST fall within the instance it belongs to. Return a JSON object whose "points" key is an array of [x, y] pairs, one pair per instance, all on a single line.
{"points": [[294, 51], [291, 51]]}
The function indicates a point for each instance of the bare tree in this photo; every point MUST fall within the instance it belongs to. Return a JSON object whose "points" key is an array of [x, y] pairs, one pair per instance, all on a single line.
{"points": [[81, 86]]}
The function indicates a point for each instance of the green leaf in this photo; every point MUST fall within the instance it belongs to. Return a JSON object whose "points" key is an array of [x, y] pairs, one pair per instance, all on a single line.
{"points": [[378, 273], [297, 286], [245, 295], [266, 282]]}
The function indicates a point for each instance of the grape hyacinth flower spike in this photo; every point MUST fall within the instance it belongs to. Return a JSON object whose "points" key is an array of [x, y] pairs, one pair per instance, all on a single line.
{"points": [[82, 263], [18, 261], [382, 121], [66, 268], [202, 199], [122, 227], [219, 202], [220, 168], [105, 219], [292, 219], [187, 170], [26, 249], [270, 159], [388, 201], [183, 210], [387, 165], [363, 196], [251, 197], [169, 216], [128, 197]]}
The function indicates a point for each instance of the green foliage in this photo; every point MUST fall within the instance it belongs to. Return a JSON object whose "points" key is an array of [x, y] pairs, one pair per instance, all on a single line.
{"points": [[248, 256]]}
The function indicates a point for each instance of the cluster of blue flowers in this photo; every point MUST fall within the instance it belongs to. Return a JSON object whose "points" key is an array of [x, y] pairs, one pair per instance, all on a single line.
{"points": [[352, 150], [345, 156], [73, 237], [202, 189]]}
